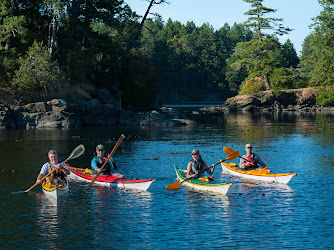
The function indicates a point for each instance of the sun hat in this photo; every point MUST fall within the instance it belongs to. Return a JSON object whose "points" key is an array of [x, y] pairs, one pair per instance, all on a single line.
{"points": [[248, 146], [195, 152], [100, 146]]}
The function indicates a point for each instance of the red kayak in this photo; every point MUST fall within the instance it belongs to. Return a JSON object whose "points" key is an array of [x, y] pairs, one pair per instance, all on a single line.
{"points": [[114, 180]]}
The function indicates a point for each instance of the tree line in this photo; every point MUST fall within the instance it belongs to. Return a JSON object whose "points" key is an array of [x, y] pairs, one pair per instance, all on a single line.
{"points": [[50, 48]]}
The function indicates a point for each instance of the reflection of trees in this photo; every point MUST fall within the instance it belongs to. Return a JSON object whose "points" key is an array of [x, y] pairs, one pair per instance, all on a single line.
{"points": [[262, 127]]}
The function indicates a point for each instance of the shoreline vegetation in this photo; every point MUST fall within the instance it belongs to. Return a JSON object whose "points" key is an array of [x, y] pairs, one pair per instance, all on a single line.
{"points": [[67, 64]]}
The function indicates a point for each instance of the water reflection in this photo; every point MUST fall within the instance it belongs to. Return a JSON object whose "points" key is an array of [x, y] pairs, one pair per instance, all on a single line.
{"points": [[47, 219], [251, 215]]}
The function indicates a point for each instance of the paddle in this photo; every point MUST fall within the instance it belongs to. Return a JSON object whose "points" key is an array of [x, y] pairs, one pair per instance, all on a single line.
{"points": [[74, 168], [228, 150], [111, 153], [78, 151], [176, 185]]}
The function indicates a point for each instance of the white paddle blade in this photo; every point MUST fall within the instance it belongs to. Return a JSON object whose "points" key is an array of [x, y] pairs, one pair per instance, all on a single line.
{"points": [[78, 151]]}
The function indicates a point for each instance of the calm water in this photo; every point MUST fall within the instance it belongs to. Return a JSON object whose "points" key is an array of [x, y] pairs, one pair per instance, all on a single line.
{"points": [[252, 215]]}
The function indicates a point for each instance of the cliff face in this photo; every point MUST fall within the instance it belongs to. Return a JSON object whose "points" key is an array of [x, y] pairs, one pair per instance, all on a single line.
{"points": [[283, 100]]}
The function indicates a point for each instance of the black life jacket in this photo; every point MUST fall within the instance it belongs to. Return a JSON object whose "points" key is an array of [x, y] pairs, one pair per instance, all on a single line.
{"points": [[101, 161]]}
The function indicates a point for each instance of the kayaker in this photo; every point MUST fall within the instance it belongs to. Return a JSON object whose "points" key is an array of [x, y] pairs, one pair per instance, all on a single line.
{"points": [[251, 160], [61, 169], [197, 167], [100, 159]]}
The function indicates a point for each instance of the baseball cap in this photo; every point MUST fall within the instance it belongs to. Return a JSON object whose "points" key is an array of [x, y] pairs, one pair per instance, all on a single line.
{"points": [[248, 146], [195, 152], [100, 146]]}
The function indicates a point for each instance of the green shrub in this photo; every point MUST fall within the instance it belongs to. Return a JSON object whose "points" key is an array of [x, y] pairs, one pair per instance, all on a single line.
{"points": [[326, 96], [282, 78], [252, 86], [37, 75]]}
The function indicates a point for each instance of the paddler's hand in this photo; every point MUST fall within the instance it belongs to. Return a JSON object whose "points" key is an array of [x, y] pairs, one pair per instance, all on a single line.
{"points": [[111, 159], [59, 166]]}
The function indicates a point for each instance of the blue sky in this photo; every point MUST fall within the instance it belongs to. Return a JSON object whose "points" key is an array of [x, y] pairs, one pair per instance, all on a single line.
{"points": [[296, 14]]}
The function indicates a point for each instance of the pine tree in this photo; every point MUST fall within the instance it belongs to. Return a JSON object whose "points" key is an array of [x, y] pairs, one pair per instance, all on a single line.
{"points": [[259, 22], [290, 55]]}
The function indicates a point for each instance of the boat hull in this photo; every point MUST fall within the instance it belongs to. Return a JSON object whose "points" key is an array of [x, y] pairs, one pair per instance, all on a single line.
{"points": [[113, 181], [197, 184], [55, 191], [257, 174]]}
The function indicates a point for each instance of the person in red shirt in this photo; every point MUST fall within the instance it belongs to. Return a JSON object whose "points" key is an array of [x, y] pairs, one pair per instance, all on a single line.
{"points": [[251, 160]]}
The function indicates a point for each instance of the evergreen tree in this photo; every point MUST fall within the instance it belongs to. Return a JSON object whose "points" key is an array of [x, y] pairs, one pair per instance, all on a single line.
{"points": [[37, 75], [290, 55], [318, 53], [258, 22]]}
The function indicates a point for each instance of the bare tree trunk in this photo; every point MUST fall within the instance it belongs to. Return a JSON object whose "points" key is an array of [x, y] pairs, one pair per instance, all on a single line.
{"points": [[130, 44], [266, 81], [10, 39], [53, 27], [259, 26], [74, 13], [135, 37]]}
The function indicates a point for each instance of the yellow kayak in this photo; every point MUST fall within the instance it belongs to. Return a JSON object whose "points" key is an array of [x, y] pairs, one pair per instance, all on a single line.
{"points": [[257, 174]]}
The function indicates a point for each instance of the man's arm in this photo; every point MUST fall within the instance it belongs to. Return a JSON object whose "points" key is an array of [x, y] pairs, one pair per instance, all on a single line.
{"points": [[93, 164], [259, 160]]}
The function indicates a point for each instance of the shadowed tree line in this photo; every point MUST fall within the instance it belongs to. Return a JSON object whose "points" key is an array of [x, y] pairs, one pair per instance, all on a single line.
{"points": [[52, 48]]}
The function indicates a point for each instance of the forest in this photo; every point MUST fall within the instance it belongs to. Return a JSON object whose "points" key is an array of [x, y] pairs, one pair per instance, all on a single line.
{"points": [[52, 49]]}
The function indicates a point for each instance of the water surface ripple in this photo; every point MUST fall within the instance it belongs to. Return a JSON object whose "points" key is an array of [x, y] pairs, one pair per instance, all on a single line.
{"points": [[252, 215]]}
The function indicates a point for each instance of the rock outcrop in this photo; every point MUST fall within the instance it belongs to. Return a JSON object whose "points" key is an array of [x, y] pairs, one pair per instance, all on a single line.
{"points": [[298, 100]]}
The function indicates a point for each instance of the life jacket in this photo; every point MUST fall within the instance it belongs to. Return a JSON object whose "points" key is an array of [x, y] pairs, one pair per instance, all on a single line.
{"points": [[59, 173], [252, 160], [198, 168], [100, 162]]}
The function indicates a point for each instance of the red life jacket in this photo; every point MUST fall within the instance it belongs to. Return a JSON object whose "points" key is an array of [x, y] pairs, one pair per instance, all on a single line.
{"points": [[252, 160]]}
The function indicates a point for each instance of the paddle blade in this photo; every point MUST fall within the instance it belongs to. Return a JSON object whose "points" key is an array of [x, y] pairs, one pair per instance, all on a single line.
{"points": [[78, 151], [228, 150], [232, 156], [173, 186]]}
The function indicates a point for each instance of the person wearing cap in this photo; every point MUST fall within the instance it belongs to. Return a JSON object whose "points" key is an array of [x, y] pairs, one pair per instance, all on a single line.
{"points": [[250, 160], [197, 167], [100, 159], [61, 169]]}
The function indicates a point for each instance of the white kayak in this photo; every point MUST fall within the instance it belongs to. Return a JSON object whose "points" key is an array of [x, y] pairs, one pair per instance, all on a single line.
{"points": [[114, 180], [202, 184], [257, 174], [55, 190]]}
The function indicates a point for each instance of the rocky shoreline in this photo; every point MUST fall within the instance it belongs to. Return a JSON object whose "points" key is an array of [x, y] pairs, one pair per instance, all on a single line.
{"points": [[57, 113], [293, 100]]}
